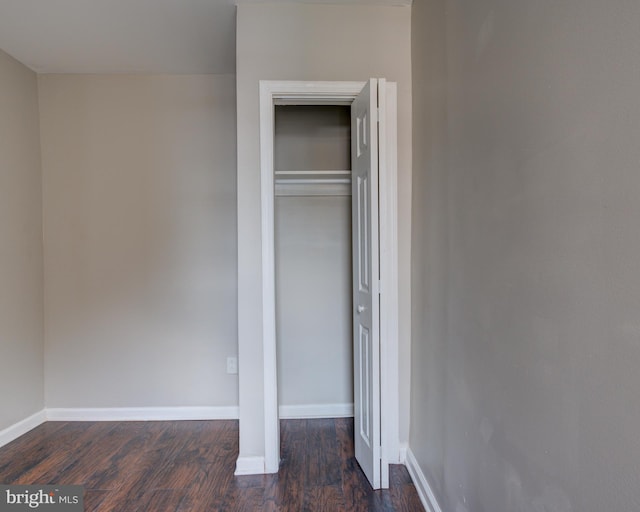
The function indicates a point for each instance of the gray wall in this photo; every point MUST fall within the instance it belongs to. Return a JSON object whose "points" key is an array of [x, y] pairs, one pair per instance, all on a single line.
{"points": [[140, 235], [21, 274], [429, 240], [534, 403], [309, 42], [313, 262]]}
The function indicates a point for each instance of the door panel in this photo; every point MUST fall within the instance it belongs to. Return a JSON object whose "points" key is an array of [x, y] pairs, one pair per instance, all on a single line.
{"points": [[366, 300]]}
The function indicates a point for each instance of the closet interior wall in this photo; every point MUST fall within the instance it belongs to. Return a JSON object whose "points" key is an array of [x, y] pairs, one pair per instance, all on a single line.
{"points": [[312, 162]]}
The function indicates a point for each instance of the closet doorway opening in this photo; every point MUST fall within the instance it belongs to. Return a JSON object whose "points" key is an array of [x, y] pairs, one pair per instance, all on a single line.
{"points": [[313, 266], [329, 253]]}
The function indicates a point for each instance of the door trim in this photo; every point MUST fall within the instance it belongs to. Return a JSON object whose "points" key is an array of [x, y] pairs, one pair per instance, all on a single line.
{"points": [[330, 93]]}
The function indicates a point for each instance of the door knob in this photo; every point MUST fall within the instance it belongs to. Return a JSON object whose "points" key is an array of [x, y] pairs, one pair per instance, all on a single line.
{"points": [[361, 308]]}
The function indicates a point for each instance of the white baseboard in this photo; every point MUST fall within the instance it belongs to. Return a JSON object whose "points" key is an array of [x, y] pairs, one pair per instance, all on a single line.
{"points": [[250, 466], [22, 427], [427, 497], [142, 413], [290, 412]]}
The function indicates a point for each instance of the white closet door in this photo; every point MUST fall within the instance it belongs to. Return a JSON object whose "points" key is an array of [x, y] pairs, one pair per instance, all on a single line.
{"points": [[366, 299]]}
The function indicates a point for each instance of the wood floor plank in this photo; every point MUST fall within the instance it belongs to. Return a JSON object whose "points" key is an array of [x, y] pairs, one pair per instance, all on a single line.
{"points": [[330, 461], [48, 460], [212, 482], [80, 450], [93, 498], [99, 454], [289, 495], [124, 460], [140, 470], [189, 467], [326, 498], [38, 437], [355, 486], [323, 464], [161, 500]]}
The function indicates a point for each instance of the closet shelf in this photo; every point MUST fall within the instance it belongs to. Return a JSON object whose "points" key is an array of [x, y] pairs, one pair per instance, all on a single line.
{"points": [[312, 171], [312, 175], [313, 183]]}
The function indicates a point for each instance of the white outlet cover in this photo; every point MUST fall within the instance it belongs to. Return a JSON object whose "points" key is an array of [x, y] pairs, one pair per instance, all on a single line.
{"points": [[232, 365]]}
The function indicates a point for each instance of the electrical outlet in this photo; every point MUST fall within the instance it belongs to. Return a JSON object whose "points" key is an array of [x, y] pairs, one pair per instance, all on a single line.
{"points": [[232, 365]]}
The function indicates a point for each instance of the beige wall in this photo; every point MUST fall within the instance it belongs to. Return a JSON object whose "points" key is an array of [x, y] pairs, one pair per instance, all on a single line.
{"points": [[308, 42], [140, 217], [21, 275], [536, 405]]}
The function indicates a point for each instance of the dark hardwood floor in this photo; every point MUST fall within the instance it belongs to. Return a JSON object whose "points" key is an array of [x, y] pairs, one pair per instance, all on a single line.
{"points": [[187, 466]]}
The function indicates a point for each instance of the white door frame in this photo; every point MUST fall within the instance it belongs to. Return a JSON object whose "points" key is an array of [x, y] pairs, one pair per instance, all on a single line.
{"points": [[331, 93]]}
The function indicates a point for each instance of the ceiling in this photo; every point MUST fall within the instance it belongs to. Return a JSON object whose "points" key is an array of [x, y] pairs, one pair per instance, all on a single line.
{"points": [[120, 36], [128, 36]]}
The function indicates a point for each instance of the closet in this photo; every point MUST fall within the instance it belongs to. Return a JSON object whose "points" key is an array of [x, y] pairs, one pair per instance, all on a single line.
{"points": [[312, 175]]}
